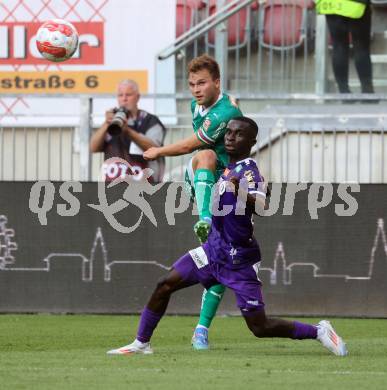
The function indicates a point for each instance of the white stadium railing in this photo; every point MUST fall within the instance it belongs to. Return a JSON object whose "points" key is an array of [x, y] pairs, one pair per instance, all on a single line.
{"points": [[279, 71], [303, 140]]}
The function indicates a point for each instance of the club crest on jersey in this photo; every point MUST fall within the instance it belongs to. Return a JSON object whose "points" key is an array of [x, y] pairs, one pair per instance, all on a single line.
{"points": [[249, 176], [233, 252], [206, 124]]}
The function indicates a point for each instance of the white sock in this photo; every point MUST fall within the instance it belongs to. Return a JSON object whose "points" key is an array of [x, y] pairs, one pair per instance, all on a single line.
{"points": [[140, 343]]}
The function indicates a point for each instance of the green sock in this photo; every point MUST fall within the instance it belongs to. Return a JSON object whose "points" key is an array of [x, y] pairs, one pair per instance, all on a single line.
{"points": [[210, 302], [204, 180]]}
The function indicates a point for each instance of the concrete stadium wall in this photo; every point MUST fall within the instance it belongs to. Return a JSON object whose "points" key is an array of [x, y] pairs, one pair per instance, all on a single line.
{"points": [[78, 263], [332, 156]]}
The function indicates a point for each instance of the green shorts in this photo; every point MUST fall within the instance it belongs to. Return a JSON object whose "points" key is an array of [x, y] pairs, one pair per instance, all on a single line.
{"points": [[189, 177]]}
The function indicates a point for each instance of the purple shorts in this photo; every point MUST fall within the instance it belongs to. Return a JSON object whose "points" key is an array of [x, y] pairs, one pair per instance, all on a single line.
{"points": [[195, 267]]}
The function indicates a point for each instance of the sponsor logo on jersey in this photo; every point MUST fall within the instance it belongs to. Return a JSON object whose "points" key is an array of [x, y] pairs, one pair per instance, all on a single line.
{"points": [[219, 130], [253, 303]]}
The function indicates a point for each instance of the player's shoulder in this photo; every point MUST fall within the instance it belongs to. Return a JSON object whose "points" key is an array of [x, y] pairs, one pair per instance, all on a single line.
{"points": [[229, 105], [231, 100], [219, 113], [214, 116], [247, 163], [248, 168]]}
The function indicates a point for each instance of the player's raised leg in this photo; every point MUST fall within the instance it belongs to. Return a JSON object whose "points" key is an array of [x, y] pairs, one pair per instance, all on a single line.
{"points": [[204, 167]]}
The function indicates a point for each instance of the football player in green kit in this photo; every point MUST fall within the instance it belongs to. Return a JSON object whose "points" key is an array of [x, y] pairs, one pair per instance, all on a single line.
{"points": [[211, 111]]}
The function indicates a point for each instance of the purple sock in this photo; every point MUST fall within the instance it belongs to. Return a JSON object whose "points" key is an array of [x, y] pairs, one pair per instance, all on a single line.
{"points": [[304, 331], [148, 323]]}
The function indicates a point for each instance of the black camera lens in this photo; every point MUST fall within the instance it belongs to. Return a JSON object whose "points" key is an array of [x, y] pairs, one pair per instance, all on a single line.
{"points": [[118, 121]]}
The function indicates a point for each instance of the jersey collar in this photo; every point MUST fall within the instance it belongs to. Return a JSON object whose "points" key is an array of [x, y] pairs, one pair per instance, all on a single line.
{"points": [[246, 161], [204, 111]]}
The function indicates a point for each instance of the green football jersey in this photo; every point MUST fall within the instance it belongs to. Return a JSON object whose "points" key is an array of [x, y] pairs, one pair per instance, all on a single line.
{"points": [[209, 124]]}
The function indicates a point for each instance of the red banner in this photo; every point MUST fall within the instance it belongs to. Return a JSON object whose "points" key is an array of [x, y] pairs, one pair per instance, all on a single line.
{"points": [[18, 44]]}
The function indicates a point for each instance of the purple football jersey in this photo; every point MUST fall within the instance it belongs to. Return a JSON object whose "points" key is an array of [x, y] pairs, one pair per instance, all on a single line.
{"points": [[231, 241]]}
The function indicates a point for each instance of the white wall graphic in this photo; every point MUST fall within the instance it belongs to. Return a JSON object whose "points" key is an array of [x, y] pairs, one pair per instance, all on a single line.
{"points": [[280, 272]]}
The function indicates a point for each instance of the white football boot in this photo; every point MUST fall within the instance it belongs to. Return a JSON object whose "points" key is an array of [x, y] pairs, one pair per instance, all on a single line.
{"points": [[330, 339], [135, 347]]}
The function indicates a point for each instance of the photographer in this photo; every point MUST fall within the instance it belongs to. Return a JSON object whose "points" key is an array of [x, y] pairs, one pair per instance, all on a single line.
{"points": [[126, 133]]}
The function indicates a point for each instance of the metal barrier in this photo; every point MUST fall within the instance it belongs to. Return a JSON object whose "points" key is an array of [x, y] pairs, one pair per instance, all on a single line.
{"points": [[266, 46], [37, 154], [298, 142], [262, 47]]}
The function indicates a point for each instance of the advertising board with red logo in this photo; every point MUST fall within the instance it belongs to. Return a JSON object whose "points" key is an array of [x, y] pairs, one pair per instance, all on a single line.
{"points": [[118, 39]]}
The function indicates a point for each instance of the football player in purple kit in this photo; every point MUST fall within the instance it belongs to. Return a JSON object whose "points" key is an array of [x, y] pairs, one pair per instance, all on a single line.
{"points": [[231, 255]]}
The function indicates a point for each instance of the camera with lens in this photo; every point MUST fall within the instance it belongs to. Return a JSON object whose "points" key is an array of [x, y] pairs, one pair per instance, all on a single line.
{"points": [[121, 115]]}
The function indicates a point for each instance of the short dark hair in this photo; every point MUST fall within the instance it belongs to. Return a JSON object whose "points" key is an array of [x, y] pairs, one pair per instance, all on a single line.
{"points": [[205, 62], [252, 125]]}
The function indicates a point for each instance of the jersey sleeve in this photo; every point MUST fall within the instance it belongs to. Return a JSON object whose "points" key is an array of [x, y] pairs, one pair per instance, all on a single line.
{"points": [[211, 130]]}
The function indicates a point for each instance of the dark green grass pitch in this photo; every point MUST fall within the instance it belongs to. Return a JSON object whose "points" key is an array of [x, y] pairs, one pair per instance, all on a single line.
{"points": [[69, 352]]}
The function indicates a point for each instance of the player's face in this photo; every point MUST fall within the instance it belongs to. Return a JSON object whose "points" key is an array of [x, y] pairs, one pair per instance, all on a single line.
{"points": [[238, 139], [127, 97], [203, 88]]}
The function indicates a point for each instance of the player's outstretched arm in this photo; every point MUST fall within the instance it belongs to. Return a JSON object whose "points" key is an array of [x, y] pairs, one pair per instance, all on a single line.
{"points": [[179, 148]]}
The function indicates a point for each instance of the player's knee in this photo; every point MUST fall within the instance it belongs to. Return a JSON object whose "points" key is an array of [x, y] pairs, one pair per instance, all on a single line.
{"points": [[164, 287], [205, 157], [258, 330], [218, 289]]}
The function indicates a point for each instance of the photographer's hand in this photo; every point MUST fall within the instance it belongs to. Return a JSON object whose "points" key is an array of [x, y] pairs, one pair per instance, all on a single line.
{"points": [[109, 114], [97, 139]]}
